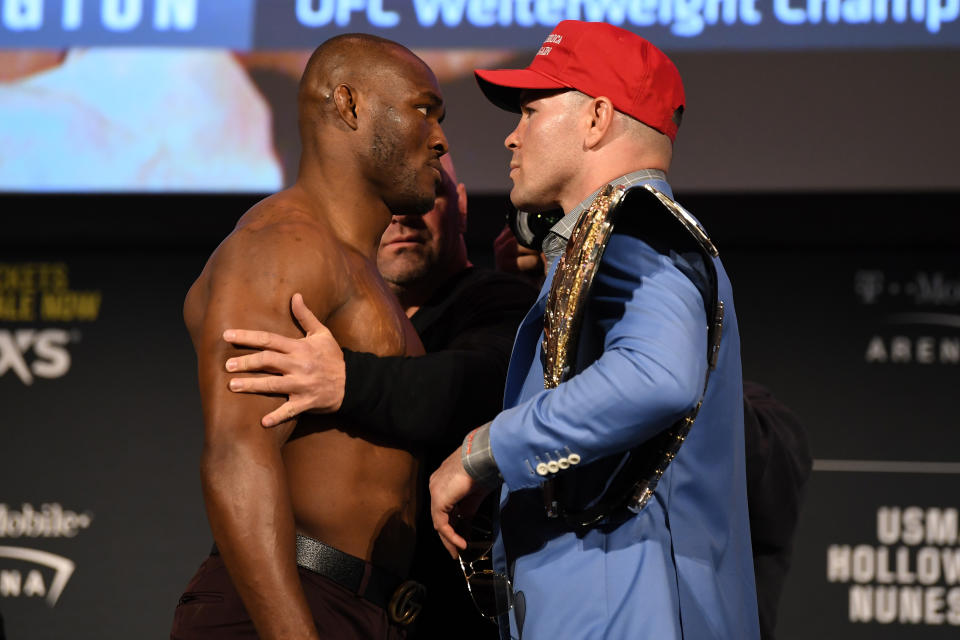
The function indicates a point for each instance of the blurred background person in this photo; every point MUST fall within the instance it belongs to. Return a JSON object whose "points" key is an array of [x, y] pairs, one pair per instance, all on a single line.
{"points": [[123, 119]]}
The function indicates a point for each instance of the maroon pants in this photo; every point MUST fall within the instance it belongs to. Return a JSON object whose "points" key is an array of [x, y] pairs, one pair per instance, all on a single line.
{"points": [[210, 609]]}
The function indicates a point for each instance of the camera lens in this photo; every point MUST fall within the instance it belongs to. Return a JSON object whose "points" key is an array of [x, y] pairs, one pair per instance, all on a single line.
{"points": [[531, 228]]}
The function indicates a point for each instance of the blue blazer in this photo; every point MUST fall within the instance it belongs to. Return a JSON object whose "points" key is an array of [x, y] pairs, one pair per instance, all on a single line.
{"points": [[682, 567]]}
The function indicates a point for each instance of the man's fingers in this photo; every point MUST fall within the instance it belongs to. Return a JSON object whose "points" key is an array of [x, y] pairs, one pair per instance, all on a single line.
{"points": [[270, 361], [528, 262], [259, 339], [303, 314], [287, 411], [504, 238], [449, 485], [453, 541], [262, 384]]}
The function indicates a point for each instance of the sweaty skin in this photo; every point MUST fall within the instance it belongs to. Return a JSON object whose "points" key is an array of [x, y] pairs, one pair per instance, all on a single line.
{"points": [[369, 116]]}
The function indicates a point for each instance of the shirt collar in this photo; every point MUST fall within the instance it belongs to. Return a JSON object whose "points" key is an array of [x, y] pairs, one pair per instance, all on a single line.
{"points": [[556, 240]]}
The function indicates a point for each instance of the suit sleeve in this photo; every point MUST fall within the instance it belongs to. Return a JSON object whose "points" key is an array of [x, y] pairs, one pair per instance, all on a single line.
{"points": [[651, 370], [438, 397]]}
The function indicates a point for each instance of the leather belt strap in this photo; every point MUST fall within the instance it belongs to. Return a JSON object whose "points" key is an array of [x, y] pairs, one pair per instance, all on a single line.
{"points": [[358, 576], [350, 572]]}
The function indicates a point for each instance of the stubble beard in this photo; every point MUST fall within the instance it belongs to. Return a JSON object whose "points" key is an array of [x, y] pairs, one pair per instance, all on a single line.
{"points": [[541, 193], [406, 270], [404, 194], [523, 200]]}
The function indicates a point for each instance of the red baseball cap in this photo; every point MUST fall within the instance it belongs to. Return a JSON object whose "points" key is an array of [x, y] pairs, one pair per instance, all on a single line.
{"points": [[597, 59]]}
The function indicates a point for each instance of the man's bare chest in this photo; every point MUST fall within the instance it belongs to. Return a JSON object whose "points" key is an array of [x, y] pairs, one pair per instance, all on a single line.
{"points": [[372, 320]]}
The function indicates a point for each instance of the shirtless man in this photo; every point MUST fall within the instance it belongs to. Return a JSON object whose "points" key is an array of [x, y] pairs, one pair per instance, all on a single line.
{"points": [[369, 114]]}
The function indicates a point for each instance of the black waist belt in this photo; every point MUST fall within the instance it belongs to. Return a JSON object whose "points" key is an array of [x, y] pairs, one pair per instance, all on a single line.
{"points": [[358, 576]]}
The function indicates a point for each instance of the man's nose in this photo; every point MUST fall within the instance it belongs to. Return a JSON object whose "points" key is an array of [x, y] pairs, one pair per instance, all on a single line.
{"points": [[512, 141], [439, 141]]}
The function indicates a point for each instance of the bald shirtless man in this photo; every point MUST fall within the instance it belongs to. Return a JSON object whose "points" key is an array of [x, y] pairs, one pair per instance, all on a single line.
{"points": [[312, 492]]}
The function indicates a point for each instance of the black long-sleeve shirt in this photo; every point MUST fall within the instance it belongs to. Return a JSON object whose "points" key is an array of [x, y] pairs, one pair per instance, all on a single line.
{"points": [[467, 329]]}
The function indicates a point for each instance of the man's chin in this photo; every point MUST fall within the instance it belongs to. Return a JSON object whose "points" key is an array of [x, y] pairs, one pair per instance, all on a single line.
{"points": [[415, 204], [523, 202], [405, 280], [427, 197], [402, 269]]}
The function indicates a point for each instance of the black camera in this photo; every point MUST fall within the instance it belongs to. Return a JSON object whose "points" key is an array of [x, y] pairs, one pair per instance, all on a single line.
{"points": [[531, 228]]}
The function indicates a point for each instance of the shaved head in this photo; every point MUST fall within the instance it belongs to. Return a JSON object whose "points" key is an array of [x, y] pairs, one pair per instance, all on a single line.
{"points": [[370, 107], [354, 59]]}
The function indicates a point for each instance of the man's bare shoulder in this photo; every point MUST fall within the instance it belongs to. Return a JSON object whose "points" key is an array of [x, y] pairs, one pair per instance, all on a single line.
{"points": [[283, 232], [278, 247], [287, 220]]}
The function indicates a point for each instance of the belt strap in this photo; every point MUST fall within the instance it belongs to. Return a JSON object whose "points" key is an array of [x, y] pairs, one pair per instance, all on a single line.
{"points": [[350, 572], [401, 599]]}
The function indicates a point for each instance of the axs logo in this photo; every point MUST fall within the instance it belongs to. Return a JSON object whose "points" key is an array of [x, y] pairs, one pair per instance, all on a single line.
{"points": [[50, 356]]}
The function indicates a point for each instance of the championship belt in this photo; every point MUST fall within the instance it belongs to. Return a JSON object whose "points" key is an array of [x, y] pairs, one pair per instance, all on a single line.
{"points": [[643, 211]]}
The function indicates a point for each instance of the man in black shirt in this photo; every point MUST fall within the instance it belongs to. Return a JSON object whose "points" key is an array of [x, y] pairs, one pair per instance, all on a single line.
{"points": [[466, 318]]}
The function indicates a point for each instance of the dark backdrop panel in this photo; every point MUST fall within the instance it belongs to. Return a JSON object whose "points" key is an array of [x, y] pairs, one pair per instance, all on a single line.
{"points": [[847, 308], [813, 121], [114, 438], [849, 313], [863, 342]]}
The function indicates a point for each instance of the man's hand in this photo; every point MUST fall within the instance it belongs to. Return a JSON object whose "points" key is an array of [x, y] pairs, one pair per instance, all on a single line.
{"points": [[453, 492], [312, 372]]}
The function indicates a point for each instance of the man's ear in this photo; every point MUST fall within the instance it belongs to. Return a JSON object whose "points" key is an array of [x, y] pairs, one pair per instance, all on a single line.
{"points": [[462, 206], [600, 114], [345, 99]]}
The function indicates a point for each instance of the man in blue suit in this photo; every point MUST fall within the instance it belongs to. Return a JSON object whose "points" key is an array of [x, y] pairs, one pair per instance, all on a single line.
{"points": [[600, 105]]}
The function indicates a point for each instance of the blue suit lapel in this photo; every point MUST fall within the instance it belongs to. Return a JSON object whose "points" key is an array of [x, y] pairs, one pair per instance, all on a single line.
{"points": [[525, 344]]}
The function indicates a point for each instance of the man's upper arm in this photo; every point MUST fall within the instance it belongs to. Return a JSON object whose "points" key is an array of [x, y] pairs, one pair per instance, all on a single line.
{"points": [[252, 280], [650, 373]]}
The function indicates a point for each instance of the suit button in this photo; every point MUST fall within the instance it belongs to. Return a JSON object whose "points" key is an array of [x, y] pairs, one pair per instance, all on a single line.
{"points": [[574, 458], [563, 463], [553, 467], [542, 469]]}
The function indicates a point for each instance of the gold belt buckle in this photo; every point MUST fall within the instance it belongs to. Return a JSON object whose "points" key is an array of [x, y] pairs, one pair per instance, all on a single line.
{"points": [[406, 602]]}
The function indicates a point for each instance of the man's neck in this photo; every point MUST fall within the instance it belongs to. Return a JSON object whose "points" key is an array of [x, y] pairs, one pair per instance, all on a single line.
{"points": [[618, 156], [359, 226]]}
